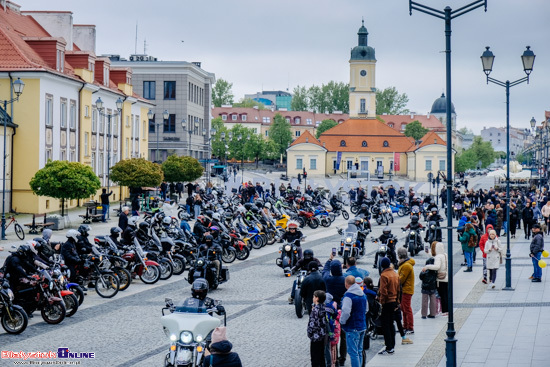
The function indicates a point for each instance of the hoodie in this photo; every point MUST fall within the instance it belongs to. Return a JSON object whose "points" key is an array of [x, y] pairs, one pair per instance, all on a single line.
{"points": [[334, 280], [462, 223], [440, 262], [406, 276], [483, 239], [222, 355], [349, 306], [465, 238]]}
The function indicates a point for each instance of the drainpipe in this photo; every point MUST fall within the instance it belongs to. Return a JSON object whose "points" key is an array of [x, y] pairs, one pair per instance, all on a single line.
{"points": [[79, 127], [11, 154]]}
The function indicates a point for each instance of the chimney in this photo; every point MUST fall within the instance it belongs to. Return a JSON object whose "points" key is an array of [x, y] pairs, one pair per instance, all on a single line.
{"points": [[412, 116], [428, 115]]}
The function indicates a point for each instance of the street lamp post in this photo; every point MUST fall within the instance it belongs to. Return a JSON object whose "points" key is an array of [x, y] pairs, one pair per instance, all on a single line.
{"points": [[101, 111], [239, 138], [165, 116], [448, 15], [528, 59], [212, 133], [18, 87], [150, 116]]}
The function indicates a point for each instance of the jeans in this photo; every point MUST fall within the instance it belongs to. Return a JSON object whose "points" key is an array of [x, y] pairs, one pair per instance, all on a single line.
{"points": [[317, 353], [197, 211], [387, 320], [104, 212], [469, 258], [493, 275], [188, 208], [408, 318], [505, 226], [537, 270], [355, 346], [485, 268]]}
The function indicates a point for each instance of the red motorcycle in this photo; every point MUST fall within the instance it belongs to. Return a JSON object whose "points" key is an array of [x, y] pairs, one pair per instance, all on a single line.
{"points": [[240, 247], [307, 218], [147, 270]]}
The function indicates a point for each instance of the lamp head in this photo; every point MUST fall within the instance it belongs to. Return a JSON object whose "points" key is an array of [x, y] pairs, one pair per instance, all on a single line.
{"points": [[18, 87], [528, 59], [230, 135], [223, 135], [165, 115], [487, 59], [213, 132], [533, 122], [99, 103], [119, 103], [150, 114], [183, 124]]}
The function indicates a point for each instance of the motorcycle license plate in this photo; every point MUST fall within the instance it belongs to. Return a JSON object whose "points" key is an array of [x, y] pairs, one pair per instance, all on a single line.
{"points": [[348, 248]]}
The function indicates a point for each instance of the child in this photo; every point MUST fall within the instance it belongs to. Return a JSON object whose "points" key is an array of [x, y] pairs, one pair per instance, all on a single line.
{"points": [[317, 329], [429, 288], [495, 253], [333, 320]]}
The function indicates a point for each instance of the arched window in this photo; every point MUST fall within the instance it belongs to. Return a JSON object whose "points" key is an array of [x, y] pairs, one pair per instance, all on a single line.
{"points": [[386, 144], [364, 144], [342, 143], [390, 125]]}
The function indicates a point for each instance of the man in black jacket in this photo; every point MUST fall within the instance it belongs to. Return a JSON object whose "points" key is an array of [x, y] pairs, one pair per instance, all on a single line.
{"points": [[19, 265], [105, 204], [123, 218], [314, 281], [69, 252], [536, 248]]}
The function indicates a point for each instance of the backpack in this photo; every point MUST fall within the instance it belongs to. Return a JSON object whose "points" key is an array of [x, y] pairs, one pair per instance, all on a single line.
{"points": [[472, 242], [330, 314]]}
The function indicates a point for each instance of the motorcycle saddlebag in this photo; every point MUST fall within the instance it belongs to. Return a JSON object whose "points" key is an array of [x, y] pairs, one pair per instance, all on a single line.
{"points": [[225, 273]]}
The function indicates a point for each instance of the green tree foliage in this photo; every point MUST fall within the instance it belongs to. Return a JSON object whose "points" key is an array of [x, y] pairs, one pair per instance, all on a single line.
{"points": [[465, 130], [222, 93], [65, 180], [523, 158], [218, 146], [280, 133], [137, 172], [249, 103], [300, 101], [181, 169], [480, 151], [324, 126], [390, 102], [415, 130]]}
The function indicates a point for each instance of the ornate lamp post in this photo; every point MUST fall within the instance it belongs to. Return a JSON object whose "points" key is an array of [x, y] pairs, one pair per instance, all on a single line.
{"points": [[150, 116], [242, 161], [165, 116]]}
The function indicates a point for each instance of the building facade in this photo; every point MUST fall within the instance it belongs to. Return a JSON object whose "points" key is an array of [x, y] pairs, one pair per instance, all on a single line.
{"points": [[275, 99], [184, 90], [497, 137]]}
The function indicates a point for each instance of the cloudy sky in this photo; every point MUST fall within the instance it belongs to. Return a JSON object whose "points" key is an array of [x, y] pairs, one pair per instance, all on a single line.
{"points": [[275, 45]]}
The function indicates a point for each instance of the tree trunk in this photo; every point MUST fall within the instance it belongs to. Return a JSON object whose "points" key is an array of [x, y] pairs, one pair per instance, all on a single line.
{"points": [[62, 207]]}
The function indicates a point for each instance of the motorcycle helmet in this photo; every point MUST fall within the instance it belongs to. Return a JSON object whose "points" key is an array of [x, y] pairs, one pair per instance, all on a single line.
{"points": [[259, 203], [268, 205], [414, 219], [292, 224], [208, 240], [308, 254], [73, 233], [24, 251], [84, 229], [115, 231], [144, 226], [364, 207], [32, 247], [434, 210], [248, 206], [167, 221], [132, 221], [216, 216], [199, 289], [386, 230], [209, 213], [255, 210]]}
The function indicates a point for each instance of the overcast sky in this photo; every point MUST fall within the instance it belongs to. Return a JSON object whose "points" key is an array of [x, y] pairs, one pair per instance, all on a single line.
{"points": [[275, 45]]}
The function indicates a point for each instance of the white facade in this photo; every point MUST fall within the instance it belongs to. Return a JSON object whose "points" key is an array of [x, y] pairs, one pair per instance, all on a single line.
{"points": [[497, 138]]}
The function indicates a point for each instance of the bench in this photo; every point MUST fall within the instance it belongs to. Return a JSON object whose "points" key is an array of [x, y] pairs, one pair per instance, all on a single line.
{"points": [[35, 227], [91, 213]]}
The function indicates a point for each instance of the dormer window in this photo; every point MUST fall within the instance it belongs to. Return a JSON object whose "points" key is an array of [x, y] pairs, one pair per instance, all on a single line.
{"points": [[386, 144], [224, 117], [287, 119], [234, 117], [243, 117], [106, 76], [342, 143], [297, 120], [390, 125], [60, 62], [364, 144]]}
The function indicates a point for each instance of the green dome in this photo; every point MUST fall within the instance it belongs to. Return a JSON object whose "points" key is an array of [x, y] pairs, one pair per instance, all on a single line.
{"points": [[363, 51]]}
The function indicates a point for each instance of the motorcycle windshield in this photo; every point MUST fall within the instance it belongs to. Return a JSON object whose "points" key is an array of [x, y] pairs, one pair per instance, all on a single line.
{"points": [[191, 305], [352, 228]]}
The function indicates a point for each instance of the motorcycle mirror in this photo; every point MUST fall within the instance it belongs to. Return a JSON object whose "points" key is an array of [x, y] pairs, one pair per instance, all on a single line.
{"points": [[168, 301]]}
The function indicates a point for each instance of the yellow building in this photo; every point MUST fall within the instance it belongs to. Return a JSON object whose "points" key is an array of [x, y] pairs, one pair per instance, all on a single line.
{"points": [[55, 116], [365, 144]]}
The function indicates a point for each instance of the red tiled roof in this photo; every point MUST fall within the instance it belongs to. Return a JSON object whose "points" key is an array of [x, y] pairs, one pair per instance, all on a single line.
{"points": [[430, 122], [257, 115], [306, 137], [428, 139]]}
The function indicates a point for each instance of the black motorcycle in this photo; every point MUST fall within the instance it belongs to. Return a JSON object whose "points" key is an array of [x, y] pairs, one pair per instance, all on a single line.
{"points": [[413, 241], [299, 303], [205, 268], [434, 232], [288, 256], [13, 317]]}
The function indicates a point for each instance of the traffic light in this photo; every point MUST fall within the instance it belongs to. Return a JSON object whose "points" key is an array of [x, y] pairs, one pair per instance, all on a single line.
{"points": [[305, 173]]}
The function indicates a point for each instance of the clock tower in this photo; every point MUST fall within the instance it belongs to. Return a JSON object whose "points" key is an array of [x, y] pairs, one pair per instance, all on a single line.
{"points": [[362, 91]]}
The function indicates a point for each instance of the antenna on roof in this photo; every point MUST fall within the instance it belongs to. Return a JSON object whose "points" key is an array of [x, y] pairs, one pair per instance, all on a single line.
{"points": [[135, 46], [145, 46]]}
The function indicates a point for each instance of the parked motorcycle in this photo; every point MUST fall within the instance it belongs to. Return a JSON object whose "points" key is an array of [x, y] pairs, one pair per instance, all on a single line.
{"points": [[14, 319]]}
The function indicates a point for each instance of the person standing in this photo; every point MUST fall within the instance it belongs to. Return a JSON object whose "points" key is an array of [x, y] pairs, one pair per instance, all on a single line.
{"points": [[353, 320], [354, 270], [313, 282], [429, 287], [163, 189], [546, 215], [514, 219], [105, 204], [440, 265], [388, 293], [197, 205], [495, 252], [316, 329], [123, 218], [190, 188], [179, 189], [406, 279], [536, 248], [391, 193], [469, 242], [528, 219]]}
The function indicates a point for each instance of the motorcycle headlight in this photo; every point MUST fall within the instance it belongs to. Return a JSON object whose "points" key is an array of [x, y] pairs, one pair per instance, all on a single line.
{"points": [[186, 337], [287, 248], [100, 258], [51, 285], [173, 338], [348, 239], [200, 262], [61, 279], [433, 227], [413, 233], [10, 294], [199, 338]]}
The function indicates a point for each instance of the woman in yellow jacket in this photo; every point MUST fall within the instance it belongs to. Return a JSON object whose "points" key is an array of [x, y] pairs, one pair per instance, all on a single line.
{"points": [[406, 278]]}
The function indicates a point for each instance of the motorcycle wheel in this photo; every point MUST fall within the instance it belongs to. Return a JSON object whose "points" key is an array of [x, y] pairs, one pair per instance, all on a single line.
{"points": [[256, 242], [124, 277], [54, 313], [179, 265], [325, 222], [298, 305], [242, 254], [180, 214], [313, 223], [345, 214], [71, 304], [346, 256], [301, 222], [18, 323], [354, 209], [271, 239], [167, 361], [379, 220], [107, 285], [151, 275], [401, 212], [166, 269], [264, 239], [229, 255], [412, 250], [78, 292]]}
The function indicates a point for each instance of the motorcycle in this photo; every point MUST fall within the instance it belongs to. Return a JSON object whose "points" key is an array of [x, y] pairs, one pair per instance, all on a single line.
{"points": [[106, 283], [349, 243], [60, 289], [205, 268], [457, 210], [189, 327], [413, 241], [299, 302], [138, 263], [385, 251], [434, 232], [13, 317], [289, 256]]}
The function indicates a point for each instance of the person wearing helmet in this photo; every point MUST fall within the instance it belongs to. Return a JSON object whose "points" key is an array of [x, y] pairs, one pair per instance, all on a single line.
{"points": [[83, 245], [201, 227], [335, 203], [70, 253], [389, 240], [212, 251], [304, 264], [414, 225], [115, 234], [434, 215], [291, 235], [19, 265]]}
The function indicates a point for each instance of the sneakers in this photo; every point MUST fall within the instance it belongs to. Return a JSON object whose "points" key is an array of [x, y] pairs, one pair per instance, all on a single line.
{"points": [[431, 317], [290, 300], [536, 280], [386, 352], [484, 281], [445, 314], [423, 317], [531, 277], [468, 269], [492, 285], [408, 331], [405, 341]]}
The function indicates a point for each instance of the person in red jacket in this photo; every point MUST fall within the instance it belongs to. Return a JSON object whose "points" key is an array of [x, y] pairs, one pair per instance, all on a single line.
{"points": [[482, 242]]}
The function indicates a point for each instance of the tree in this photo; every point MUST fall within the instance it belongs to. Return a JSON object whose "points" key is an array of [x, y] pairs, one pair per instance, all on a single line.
{"points": [[218, 145], [337, 96], [249, 103], [181, 169], [65, 180], [136, 173], [480, 151], [390, 102], [221, 93], [324, 126], [280, 133], [466, 160], [255, 148], [465, 130], [300, 100], [415, 130]]}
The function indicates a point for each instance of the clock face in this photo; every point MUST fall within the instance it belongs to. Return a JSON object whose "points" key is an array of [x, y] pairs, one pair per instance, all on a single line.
{"points": [[363, 72]]}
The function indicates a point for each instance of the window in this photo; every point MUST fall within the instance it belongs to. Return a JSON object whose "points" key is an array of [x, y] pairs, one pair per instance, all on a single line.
{"points": [[72, 116], [170, 124], [287, 119], [428, 164], [299, 163], [309, 121], [94, 120], [266, 120], [342, 143], [386, 144], [243, 117], [87, 111], [101, 124], [152, 125], [86, 139], [106, 76], [362, 108], [442, 165], [297, 133], [93, 163], [149, 89], [62, 155], [224, 117], [313, 163], [234, 117], [349, 165], [101, 168], [72, 156], [267, 133], [49, 110], [390, 125], [115, 125], [170, 90], [364, 165], [364, 144], [137, 127], [297, 120], [63, 113]]}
